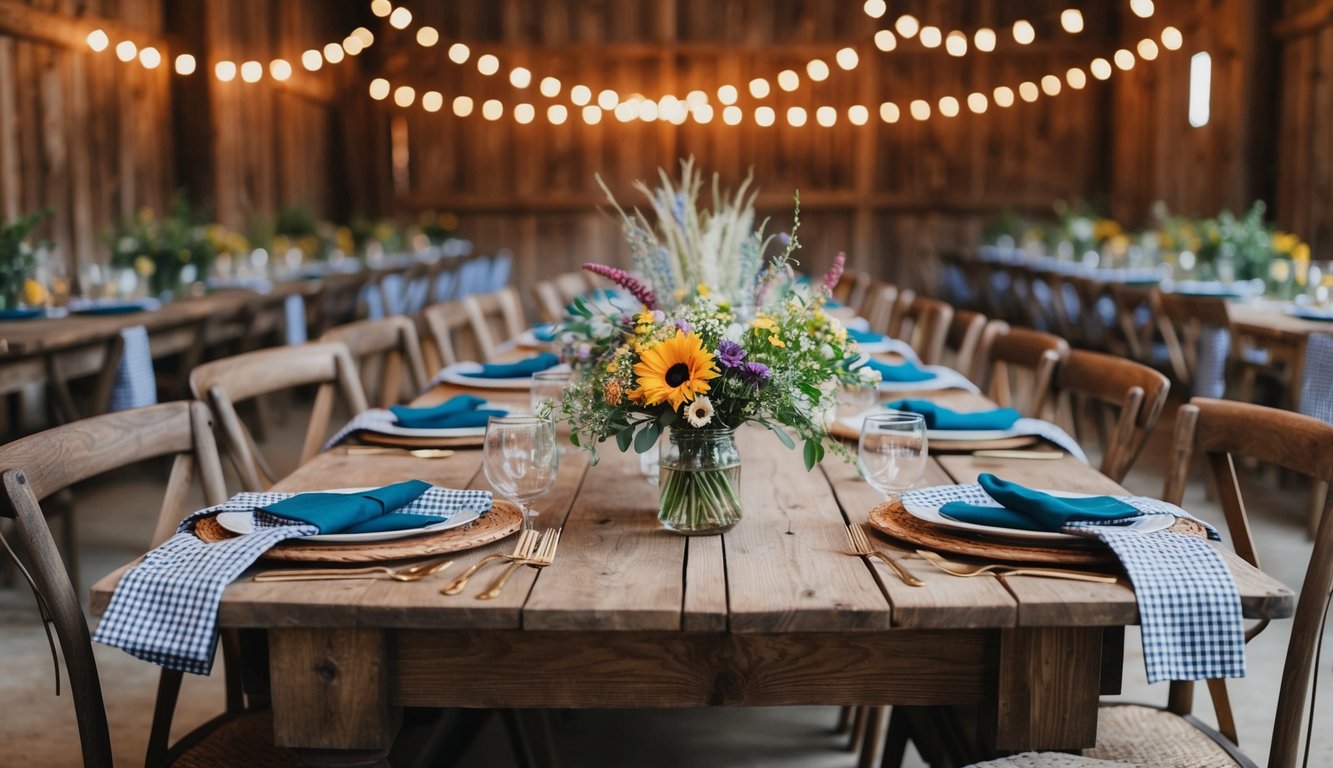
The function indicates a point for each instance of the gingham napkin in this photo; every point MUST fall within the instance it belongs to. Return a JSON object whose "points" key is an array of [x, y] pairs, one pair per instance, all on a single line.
{"points": [[165, 610], [1189, 607], [135, 385]]}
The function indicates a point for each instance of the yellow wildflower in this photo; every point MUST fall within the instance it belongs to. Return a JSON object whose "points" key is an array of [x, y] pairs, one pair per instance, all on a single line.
{"points": [[703, 290], [144, 266], [33, 292], [612, 366], [1284, 242], [1105, 229], [775, 341], [612, 393], [763, 323]]}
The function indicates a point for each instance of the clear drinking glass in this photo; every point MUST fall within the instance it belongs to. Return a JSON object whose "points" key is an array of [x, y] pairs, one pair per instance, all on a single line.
{"points": [[521, 459], [549, 387], [892, 451]]}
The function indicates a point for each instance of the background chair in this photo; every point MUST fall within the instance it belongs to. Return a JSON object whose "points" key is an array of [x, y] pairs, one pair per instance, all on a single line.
{"points": [[925, 325], [1021, 358], [450, 329], [223, 383], [388, 347], [495, 318], [963, 340], [1131, 394]]}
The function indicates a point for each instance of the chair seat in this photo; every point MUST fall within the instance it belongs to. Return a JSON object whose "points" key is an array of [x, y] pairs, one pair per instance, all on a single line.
{"points": [[1129, 734], [234, 740]]}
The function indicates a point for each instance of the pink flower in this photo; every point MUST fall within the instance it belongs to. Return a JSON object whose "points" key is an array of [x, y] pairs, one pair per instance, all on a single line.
{"points": [[623, 279], [834, 273]]}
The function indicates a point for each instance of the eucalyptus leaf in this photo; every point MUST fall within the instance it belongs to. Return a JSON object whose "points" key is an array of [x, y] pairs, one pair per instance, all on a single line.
{"points": [[647, 437]]}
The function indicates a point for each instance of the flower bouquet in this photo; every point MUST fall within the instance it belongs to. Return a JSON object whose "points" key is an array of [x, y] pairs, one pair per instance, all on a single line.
{"points": [[716, 334]]}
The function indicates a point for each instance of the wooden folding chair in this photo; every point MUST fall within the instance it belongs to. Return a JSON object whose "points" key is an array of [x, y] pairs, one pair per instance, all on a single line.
{"points": [[1013, 350], [495, 318], [387, 347], [1136, 391], [451, 330], [925, 326], [963, 340]]}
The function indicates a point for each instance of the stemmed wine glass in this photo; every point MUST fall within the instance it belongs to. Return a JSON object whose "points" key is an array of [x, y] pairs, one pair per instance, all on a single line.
{"points": [[520, 459], [892, 451]]}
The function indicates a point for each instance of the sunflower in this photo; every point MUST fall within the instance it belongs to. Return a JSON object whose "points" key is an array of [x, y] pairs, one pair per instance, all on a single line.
{"points": [[675, 371]]}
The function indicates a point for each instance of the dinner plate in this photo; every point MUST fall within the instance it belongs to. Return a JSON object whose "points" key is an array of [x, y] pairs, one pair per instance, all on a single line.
{"points": [[945, 378], [931, 513], [243, 523], [1310, 313], [397, 431], [458, 374], [853, 424]]}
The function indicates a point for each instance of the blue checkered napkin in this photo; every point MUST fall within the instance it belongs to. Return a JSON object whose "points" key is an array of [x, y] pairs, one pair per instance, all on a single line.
{"points": [[294, 325], [1317, 378], [136, 384], [373, 420], [1189, 607], [165, 609], [1210, 366]]}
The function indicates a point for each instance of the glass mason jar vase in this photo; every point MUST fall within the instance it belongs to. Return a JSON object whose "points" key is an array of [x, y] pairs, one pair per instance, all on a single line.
{"points": [[700, 476]]}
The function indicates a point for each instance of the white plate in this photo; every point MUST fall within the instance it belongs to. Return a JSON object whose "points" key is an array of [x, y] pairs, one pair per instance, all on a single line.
{"points": [[458, 374], [854, 423], [394, 429], [945, 378], [931, 514], [243, 523]]}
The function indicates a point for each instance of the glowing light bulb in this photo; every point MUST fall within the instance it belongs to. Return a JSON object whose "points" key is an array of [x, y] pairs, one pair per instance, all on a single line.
{"points": [[1147, 49], [703, 114], [732, 115], [366, 36], [379, 89], [1028, 91], [1141, 8], [949, 106], [400, 18], [225, 71], [592, 115], [1024, 33], [1124, 59], [381, 8], [886, 40], [956, 43], [432, 101], [520, 77], [608, 99], [280, 69], [875, 8], [126, 51], [488, 64], [1100, 68], [312, 60], [549, 87], [1076, 78], [1072, 20], [462, 106], [764, 116], [984, 39], [826, 116], [353, 45], [252, 71], [671, 109], [404, 95], [847, 58], [1050, 84], [427, 37], [727, 95], [98, 40], [627, 110], [150, 58], [647, 110], [1172, 39], [977, 102], [889, 112], [817, 70], [931, 37], [1003, 96], [759, 87], [920, 109], [580, 94], [492, 109], [524, 113], [185, 64], [788, 80], [459, 53], [858, 114], [333, 53], [907, 25], [696, 99]]}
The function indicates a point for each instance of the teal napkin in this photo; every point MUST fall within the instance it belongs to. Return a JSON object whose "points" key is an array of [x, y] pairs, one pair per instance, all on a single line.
{"points": [[1029, 510], [458, 412], [939, 417], [864, 337], [518, 370], [366, 512], [546, 332], [903, 372]]}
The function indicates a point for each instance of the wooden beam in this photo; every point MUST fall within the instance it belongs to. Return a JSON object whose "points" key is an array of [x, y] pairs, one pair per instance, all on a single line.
{"points": [[1305, 22], [25, 21]]}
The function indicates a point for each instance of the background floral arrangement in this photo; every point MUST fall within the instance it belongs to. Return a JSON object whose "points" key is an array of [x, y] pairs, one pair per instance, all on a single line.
{"points": [[177, 248], [18, 259]]}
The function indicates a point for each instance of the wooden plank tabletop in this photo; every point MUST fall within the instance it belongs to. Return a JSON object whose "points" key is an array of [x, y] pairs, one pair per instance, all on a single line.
{"points": [[1270, 318]]}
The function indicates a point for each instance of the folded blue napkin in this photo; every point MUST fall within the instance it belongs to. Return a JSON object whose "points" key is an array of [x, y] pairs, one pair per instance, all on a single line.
{"points": [[546, 332], [23, 313], [939, 417], [458, 412], [118, 308], [907, 371], [365, 512], [864, 337], [1029, 510], [518, 370]]}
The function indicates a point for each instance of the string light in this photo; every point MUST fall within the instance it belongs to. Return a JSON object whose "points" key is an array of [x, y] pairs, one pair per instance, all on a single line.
{"points": [[1072, 20], [930, 37], [492, 109], [1141, 8], [126, 51], [826, 116], [984, 39], [367, 37], [333, 53], [858, 114], [1124, 59], [1100, 68], [764, 116], [580, 95], [520, 77], [889, 112], [185, 64], [280, 69], [1027, 91], [1172, 39], [225, 71], [788, 80], [381, 8], [727, 95], [875, 8], [404, 95], [1147, 49], [732, 115], [432, 101], [847, 58], [956, 43], [252, 71], [703, 114], [312, 60], [379, 89], [400, 18], [759, 88], [885, 40], [462, 106], [1024, 33], [919, 109], [627, 110], [1003, 96], [488, 64], [977, 102], [549, 87], [1076, 79], [459, 53], [817, 70], [524, 113], [907, 25], [556, 114], [696, 99], [353, 45], [949, 106], [647, 110], [98, 40], [592, 115], [608, 99], [427, 37], [1050, 84], [150, 57]]}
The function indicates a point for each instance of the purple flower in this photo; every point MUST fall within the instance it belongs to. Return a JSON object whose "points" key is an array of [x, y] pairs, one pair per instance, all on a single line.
{"points": [[755, 374], [623, 279], [834, 273], [684, 326], [730, 354]]}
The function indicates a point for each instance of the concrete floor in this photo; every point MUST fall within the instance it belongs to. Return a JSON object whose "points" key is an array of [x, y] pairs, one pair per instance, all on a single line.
{"points": [[115, 519]]}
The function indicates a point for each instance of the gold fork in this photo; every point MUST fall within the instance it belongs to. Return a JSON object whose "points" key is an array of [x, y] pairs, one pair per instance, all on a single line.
{"points": [[523, 548], [543, 557], [965, 571], [856, 536], [415, 572]]}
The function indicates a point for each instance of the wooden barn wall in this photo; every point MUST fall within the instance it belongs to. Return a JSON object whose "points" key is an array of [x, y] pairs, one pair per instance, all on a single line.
{"points": [[888, 194], [1304, 180]]}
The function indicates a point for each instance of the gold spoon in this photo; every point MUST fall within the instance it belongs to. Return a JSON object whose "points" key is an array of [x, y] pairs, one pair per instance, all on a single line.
{"points": [[420, 453]]}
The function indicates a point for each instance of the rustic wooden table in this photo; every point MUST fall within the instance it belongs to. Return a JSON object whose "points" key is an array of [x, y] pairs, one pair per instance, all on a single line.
{"points": [[773, 613]]}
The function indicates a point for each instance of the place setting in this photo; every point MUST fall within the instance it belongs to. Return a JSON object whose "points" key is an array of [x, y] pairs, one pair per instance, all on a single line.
{"points": [[517, 375]]}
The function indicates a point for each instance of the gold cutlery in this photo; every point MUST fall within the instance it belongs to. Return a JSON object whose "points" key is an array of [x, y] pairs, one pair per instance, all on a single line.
{"points": [[543, 557], [523, 549], [420, 453], [856, 536], [965, 571], [414, 572], [1037, 455]]}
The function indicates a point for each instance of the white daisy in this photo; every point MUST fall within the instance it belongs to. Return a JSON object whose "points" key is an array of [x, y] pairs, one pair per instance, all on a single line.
{"points": [[699, 412]]}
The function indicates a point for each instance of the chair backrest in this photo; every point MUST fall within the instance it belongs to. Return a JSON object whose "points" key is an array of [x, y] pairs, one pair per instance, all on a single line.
{"points": [[389, 346], [1222, 430], [451, 329], [879, 307], [963, 340], [1182, 321], [339, 299], [495, 318], [549, 306], [926, 326], [1135, 390], [901, 306], [39, 465], [223, 383], [1035, 353]]}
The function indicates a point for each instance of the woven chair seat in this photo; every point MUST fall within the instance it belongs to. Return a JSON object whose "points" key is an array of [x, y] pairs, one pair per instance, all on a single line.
{"points": [[1048, 760], [244, 740]]}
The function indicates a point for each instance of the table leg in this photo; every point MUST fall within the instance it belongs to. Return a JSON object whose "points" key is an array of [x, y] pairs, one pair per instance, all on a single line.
{"points": [[330, 692], [1047, 684]]}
